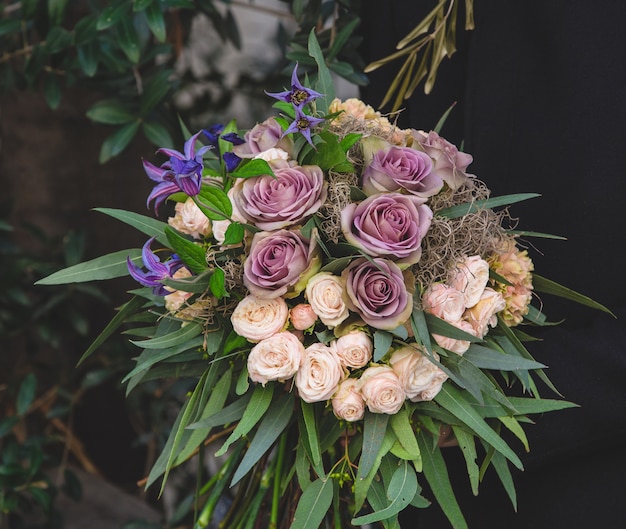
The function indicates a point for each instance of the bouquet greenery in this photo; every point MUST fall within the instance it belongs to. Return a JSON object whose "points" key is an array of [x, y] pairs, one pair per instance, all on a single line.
{"points": [[347, 298]]}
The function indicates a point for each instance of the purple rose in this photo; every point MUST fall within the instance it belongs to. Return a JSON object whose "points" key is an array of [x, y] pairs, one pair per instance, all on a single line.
{"points": [[280, 263], [262, 137], [273, 203], [388, 225], [401, 168], [377, 291], [450, 164]]}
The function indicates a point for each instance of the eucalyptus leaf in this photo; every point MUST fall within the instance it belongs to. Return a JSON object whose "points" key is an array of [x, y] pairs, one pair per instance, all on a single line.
{"points": [[324, 83], [180, 336], [487, 358], [461, 210], [151, 227], [382, 344], [313, 505], [374, 428], [547, 286]]}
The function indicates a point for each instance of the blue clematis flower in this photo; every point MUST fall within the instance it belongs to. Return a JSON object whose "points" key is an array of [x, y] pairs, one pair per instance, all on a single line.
{"points": [[213, 134], [182, 172], [303, 124], [299, 95], [157, 271]]}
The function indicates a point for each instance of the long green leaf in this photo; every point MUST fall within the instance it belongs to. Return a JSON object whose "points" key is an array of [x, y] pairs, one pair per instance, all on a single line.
{"points": [[401, 425], [374, 428], [259, 403], [275, 421], [461, 210], [192, 254], [108, 266], [487, 358], [128, 309], [180, 336], [436, 473], [468, 447], [455, 402], [151, 227], [231, 413], [308, 414], [313, 505], [364, 481], [547, 286], [324, 83]]}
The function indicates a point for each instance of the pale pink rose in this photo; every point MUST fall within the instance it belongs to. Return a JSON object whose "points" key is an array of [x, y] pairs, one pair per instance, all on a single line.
{"points": [[273, 154], [324, 292], [302, 316], [177, 298], [470, 277], [190, 220], [419, 377], [483, 314], [354, 349], [444, 301], [261, 137], [517, 298], [319, 374], [514, 265], [275, 358], [451, 344], [381, 389], [352, 107], [257, 318], [348, 404]]}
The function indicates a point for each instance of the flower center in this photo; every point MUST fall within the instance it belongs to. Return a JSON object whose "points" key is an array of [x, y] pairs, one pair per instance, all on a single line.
{"points": [[298, 96]]}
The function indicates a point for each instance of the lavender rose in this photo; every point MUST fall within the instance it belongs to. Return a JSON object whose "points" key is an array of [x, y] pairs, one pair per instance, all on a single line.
{"points": [[377, 291], [262, 137], [400, 168], [280, 264], [388, 225], [450, 164], [272, 203]]}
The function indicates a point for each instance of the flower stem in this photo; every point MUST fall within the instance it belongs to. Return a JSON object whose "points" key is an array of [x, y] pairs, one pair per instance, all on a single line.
{"points": [[277, 478]]}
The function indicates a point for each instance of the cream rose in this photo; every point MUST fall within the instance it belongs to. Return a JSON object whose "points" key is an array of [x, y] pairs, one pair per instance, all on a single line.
{"points": [[381, 390], [444, 301], [273, 154], [470, 277], [319, 375], [348, 404], [302, 316], [451, 344], [190, 220], [257, 319], [275, 358], [354, 349], [177, 298], [419, 377], [325, 294], [483, 314]]}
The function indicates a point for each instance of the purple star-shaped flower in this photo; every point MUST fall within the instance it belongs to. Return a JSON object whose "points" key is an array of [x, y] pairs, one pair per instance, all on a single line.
{"points": [[182, 172], [299, 95], [303, 124], [156, 272]]}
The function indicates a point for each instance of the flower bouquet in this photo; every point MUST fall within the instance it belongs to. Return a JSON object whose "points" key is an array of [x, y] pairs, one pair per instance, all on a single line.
{"points": [[347, 298]]}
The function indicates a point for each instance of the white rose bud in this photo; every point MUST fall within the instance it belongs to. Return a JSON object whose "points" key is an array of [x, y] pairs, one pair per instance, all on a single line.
{"points": [[325, 294], [275, 358], [354, 349], [319, 375], [470, 277], [381, 390], [348, 404], [257, 319], [443, 301], [190, 220], [420, 378]]}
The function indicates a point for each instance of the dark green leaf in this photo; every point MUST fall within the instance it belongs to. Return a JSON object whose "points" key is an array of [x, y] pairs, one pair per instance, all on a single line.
{"points": [[461, 210], [10, 25], [128, 39], [111, 112], [156, 22], [231, 413], [52, 91], [216, 283], [87, 58], [118, 141], [192, 254], [313, 505], [26, 394], [324, 83], [58, 39], [251, 168], [341, 38], [382, 344], [180, 336], [214, 203], [56, 11], [374, 428], [155, 90], [196, 284], [542, 284], [111, 15], [157, 134], [151, 227], [486, 358], [84, 30]]}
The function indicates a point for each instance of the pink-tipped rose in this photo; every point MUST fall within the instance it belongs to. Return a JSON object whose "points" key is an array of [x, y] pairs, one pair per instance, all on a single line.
{"points": [[319, 374], [348, 404], [280, 264], [381, 390], [377, 291], [276, 358], [420, 378], [302, 316], [388, 225], [262, 137]]}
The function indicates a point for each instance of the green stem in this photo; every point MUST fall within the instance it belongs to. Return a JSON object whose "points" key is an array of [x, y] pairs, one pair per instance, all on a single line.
{"points": [[277, 475]]}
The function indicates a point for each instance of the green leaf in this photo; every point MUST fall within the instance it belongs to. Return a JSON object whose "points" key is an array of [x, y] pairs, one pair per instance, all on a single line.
{"points": [[52, 91], [111, 112], [87, 58], [252, 168], [461, 210], [192, 254], [436, 473], [504, 473], [455, 402], [324, 83], [547, 286], [180, 336], [118, 141], [382, 344], [151, 227], [308, 414], [342, 37], [526, 406], [400, 492], [401, 425], [329, 153], [214, 203], [439, 326], [467, 445], [10, 25], [513, 425], [216, 283], [106, 267], [313, 505], [275, 421], [129, 308], [155, 90], [156, 22], [128, 39], [421, 329], [26, 394], [231, 413], [487, 358], [58, 39], [234, 233], [374, 428], [110, 15], [259, 403], [363, 482], [157, 134], [56, 11], [196, 284]]}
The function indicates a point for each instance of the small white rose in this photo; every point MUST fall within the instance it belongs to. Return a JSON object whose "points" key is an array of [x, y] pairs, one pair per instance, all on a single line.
{"points": [[319, 375], [325, 294], [273, 154], [275, 358], [257, 319]]}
